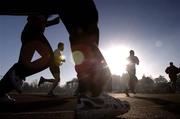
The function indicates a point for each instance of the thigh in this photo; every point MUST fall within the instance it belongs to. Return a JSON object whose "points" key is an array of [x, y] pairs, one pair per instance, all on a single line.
{"points": [[28, 50], [78, 13]]}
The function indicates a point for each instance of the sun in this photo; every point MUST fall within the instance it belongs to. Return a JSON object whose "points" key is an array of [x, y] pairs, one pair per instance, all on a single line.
{"points": [[116, 56]]}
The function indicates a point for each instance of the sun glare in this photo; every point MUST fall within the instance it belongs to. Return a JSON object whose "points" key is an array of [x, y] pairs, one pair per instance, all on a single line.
{"points": [[116, 58]]}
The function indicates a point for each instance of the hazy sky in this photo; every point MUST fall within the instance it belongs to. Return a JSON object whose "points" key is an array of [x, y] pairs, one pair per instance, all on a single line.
{"points": [[150, 27]]}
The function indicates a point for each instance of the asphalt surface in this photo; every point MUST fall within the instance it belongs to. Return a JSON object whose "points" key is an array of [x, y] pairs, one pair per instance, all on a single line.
{"points": [[40, 106]]}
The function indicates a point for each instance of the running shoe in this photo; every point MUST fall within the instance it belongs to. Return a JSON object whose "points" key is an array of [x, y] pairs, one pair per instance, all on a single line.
{"points": [[101, 107], [51, 94], [127, 92], [41, 81], [6, 98], [16, 81]]}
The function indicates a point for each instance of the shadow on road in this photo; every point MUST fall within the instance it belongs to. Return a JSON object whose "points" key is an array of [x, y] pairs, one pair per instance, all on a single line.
{"points": [[32, 103], [170, 106]]}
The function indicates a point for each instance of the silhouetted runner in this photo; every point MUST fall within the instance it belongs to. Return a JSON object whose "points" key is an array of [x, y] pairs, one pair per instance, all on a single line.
{"points": [[172, 71], [80, 18], [32, 39], [131, 69], [59, 59]]}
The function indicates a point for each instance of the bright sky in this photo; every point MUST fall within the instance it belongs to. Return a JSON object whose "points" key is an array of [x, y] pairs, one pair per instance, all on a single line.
{"points": [[150, 27]]}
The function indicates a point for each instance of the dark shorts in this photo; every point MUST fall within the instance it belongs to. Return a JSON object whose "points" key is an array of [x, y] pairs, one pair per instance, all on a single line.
{"points": [[55, 68]]}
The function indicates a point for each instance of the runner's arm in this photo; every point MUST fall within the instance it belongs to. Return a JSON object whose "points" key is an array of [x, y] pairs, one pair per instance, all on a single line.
{"points": [[137, 61], [53, 22]]}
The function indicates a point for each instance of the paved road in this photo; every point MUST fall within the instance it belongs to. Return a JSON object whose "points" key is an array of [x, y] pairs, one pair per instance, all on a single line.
{"points": [[152, 106], [38, 106]]}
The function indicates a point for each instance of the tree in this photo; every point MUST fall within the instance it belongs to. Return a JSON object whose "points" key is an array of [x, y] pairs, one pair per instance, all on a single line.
{"points": [[147, 81], [160, 79], [146, 84]]}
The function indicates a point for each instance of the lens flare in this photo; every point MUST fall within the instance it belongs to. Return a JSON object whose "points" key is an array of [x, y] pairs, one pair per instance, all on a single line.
{"points": [[78, 57]]}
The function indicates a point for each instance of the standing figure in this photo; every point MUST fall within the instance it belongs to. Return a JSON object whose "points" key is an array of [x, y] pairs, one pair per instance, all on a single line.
{"points": [[131, 69], [59, 59], [172, 71]]}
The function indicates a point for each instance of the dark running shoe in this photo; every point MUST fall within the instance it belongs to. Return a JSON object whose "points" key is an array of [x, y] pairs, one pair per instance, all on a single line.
{"points": [[6, 98], [16, 81], [41, 81], [127, 92], [51, 94], [134, 92]]}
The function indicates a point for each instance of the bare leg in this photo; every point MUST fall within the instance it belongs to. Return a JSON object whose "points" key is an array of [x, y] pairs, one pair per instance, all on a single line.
{"points": [[56, 73], [80, 19], [25, 67], [26, 54], [54, 82]]}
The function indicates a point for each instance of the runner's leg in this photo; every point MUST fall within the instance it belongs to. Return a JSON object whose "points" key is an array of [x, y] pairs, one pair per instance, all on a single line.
{"points": [[80, 18]]}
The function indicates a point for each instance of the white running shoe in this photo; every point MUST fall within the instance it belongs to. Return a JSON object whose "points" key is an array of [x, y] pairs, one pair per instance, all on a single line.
{"points": [[86, 102], [101, 107], [116, 104]]}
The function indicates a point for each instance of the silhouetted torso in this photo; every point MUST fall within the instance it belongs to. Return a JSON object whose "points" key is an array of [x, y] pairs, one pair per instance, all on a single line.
{"points": [[172, 71], [34, 28], [132, 61]]}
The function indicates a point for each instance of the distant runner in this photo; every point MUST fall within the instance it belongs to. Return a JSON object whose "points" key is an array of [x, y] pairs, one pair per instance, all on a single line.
{"points": [[172, 71], [32, 39], [59, 59], [131, 69]]}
